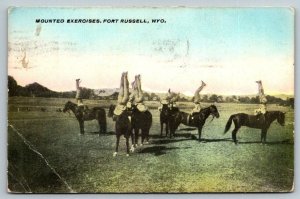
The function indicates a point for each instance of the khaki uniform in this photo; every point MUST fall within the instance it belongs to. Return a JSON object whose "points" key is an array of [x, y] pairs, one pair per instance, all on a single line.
{"points": [[197, 108], [119, 109], [123, 96], [262, 99], [78, 96], [197, 99]]}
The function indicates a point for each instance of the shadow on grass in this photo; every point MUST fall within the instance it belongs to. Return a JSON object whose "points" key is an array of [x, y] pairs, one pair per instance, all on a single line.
{"points": [[187, 129], [287, 141], [167, 141], [101, 134], [185, 135], [159, 150]]}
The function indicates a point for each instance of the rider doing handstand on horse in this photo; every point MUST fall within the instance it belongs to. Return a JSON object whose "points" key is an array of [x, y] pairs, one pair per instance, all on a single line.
{"points": [[139, 96], [197, 99], [123, 96]]}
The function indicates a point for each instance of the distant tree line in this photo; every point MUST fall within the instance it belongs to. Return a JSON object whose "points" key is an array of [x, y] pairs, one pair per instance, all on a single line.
{"points": [[37, 90]]}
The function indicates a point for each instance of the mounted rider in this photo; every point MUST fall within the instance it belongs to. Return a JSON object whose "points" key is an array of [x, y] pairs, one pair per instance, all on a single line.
{"points": [[260, 112], [79, 97], [197, 98], [197, 106], [170, 99]]}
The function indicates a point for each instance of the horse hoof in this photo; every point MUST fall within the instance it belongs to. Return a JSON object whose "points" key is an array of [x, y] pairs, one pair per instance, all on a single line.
{"points": [[141, 144], [127, 155], [147, 142], [132, 149], [115, 154]]}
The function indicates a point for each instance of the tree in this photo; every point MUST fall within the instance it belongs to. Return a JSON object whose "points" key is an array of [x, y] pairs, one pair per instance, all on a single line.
{"points": [[12, 86], [254, 100], [204, 98], [245, 99], [213, 98]]}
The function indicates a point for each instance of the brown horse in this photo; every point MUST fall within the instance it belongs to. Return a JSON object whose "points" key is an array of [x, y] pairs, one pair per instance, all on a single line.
{"points": [[163, 117], [140, 121], [122, 127], [198, 119], [96, 113], [262, 122]]}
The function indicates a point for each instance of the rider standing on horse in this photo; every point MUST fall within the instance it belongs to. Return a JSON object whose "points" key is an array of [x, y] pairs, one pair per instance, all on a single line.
{"points": [[262, 99], [78, 96], [197, 99], [123, 96]]}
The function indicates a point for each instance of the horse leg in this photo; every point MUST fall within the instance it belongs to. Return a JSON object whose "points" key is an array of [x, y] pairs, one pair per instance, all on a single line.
{"points": [[132, 141], [234, 132], [127, 145], [263, 136], [161, 128], [147, 136], [167, 129], [136, 136], [81, 125], [143, 136], [102, 126], [117, 145], [170, 130], [199, 132]]}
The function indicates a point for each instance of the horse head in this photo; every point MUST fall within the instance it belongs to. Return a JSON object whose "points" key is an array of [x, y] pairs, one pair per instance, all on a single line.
{"points": [[68, 106], [281, 118], [111, 110], [214, 111]]}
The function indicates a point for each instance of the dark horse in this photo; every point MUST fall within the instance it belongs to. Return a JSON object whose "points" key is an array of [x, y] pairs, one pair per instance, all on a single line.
{"points": [[262, 122], [198, 119], [96, 113], [122, 127], [140, 121], [163, 117]]}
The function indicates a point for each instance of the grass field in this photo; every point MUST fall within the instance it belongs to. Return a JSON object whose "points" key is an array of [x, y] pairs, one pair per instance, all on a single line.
{"points": [[46, 154]]}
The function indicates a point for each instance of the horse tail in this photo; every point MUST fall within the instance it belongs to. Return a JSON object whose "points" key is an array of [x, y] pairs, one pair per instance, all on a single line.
{"points": [[228, 124]]}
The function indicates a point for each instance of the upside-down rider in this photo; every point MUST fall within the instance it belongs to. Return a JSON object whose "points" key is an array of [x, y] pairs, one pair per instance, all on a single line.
{"points": [[138, 94], [197, 100], [123, 95]]}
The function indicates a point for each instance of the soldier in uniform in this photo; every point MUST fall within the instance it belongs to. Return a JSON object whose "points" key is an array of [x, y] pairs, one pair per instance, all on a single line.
{"points": [[123, 96], [262, 99], [197, 99]]}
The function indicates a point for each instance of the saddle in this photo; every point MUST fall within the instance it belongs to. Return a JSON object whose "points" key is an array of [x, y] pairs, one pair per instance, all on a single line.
{"points": [[190, 119], [84, 109], [260, 118]]}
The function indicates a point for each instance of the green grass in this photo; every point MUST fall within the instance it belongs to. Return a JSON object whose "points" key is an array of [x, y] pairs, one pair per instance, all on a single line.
{"points": [[181, 164]]}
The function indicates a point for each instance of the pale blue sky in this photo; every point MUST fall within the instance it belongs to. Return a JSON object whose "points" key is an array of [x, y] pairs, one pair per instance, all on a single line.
{"points": [[197, 43]]}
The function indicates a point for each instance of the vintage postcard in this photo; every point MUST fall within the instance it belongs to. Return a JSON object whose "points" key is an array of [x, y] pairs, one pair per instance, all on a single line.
{"points": [[150, 100]]}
